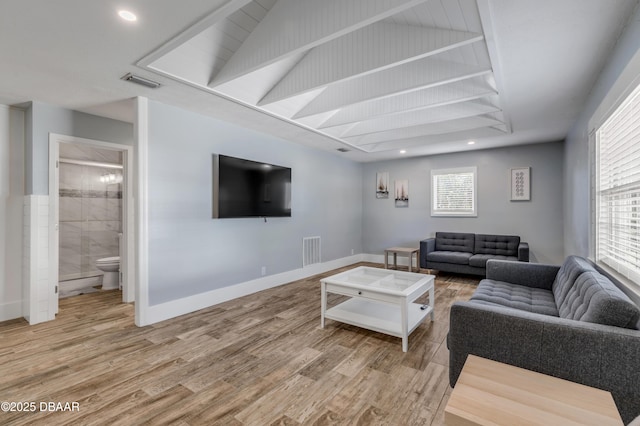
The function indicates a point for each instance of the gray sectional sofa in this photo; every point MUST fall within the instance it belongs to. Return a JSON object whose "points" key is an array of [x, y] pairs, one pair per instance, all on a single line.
{"points": [[566, 321], [468, 253]]}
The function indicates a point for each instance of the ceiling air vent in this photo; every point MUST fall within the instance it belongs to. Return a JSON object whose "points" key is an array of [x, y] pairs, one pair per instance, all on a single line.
{"points": [[343, 150], [140, 80]]}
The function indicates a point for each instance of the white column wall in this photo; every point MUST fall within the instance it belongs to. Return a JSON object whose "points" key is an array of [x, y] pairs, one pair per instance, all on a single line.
{"points": [[11, 211]]}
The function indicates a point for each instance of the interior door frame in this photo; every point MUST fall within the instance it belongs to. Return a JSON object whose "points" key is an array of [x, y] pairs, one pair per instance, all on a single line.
{"points": [[127, 257]]}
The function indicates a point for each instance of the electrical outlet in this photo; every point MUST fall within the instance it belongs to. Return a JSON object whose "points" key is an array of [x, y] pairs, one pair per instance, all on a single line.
{"points": [[353, 251], [264, 271]]}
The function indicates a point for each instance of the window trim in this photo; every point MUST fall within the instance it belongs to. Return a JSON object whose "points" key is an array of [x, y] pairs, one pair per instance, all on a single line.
{"points": [[624, 86], [613, 96], [450, 213], [630, 276]]}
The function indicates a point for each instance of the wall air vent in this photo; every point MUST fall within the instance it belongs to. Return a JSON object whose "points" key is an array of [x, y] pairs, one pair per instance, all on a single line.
{"points": [[311, 250], [140, 80]]}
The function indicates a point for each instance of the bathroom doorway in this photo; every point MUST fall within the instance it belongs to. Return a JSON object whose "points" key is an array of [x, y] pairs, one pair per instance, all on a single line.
{"points": [[90, 215]]}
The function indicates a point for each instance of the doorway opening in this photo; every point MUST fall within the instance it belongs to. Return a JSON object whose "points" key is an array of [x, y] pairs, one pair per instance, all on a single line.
{"points": [[91, 239]]}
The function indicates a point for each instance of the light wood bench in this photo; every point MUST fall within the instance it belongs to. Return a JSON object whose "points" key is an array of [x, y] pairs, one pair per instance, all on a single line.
{"points": [[493, 393]]}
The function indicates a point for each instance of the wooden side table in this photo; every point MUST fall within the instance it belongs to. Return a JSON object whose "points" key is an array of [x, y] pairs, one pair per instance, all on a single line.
{"points": [[493, 393], [404, 251]]}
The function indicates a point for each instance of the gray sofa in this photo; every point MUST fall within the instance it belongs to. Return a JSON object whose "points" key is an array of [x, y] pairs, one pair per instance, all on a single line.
{"points": [[468, 253], [566, 321]]}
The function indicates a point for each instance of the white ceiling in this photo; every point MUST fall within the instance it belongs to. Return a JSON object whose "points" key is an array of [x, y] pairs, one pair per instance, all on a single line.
{"points": [[372, 76]]}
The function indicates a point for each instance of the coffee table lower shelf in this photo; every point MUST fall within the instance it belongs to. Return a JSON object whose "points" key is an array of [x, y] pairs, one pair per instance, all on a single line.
{"points": [[376, 316]]}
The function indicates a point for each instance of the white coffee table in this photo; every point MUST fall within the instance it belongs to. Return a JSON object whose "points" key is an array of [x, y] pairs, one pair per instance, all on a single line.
{"points": [[380, 300]]}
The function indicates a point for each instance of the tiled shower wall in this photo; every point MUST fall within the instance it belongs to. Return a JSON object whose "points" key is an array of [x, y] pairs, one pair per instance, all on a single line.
{"points": [[90, 216]]}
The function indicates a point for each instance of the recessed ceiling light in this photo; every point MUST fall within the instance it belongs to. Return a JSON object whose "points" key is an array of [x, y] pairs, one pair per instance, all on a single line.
{"points": [[127, 16], [471, 143], [403, 151]]}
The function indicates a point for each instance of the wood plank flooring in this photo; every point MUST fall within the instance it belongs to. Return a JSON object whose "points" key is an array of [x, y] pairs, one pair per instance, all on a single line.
{"points": [[259, 360]]}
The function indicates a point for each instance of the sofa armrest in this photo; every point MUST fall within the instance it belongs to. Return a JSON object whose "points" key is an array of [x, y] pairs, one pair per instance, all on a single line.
{"points": [[426, 246], [591, 354], [523, 252], [535, 275]]}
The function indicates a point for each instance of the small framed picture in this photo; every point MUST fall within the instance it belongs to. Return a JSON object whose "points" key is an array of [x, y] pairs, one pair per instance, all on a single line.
{"points": [[402, 193], [382, 185], [521, 184]]}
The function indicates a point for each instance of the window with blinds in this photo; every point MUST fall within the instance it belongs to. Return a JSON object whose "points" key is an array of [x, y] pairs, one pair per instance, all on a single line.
{"points": [[453, 192], [618, 189]]}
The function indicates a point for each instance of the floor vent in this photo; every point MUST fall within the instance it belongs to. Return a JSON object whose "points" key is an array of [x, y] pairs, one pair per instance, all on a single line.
{"points": [[311, 251]]}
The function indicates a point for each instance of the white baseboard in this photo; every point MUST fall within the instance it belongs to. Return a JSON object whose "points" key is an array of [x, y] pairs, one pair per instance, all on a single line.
{"points": [[175, 308], [11, 310], [372, 258], [379, 258]]}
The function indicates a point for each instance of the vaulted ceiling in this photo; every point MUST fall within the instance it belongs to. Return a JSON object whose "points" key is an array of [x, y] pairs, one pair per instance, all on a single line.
{"points": [[373, 75], [370, 77]]}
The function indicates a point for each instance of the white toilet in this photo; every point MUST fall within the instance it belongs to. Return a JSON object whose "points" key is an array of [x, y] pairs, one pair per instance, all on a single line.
{"points": [[111, 268]]}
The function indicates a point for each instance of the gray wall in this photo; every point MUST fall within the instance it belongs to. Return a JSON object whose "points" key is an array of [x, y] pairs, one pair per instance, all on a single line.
{"points": [[538, 222], [42, 119], [191, 253], [577, 205]]}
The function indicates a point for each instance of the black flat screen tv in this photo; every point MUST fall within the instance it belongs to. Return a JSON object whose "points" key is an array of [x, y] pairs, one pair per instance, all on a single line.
{"points": [[245, 188]]}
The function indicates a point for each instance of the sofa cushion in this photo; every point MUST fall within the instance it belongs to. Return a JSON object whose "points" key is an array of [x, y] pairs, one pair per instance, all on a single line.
{"points": [[457, 257], [570, 270], [480, 260], [454, 241], [505, 245], [593, 298], [536, 300]]}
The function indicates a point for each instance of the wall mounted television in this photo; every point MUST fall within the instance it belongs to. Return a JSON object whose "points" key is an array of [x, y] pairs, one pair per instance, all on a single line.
{"points": [[245, 188]]}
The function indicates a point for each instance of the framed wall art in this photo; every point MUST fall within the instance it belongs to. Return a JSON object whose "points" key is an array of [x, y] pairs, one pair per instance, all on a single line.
{"points": [[521, 184], [402, 193], [382, 185]]}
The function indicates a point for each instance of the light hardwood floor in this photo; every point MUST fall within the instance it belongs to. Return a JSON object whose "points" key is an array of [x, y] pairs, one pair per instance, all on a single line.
{"points": [[259, 360]]}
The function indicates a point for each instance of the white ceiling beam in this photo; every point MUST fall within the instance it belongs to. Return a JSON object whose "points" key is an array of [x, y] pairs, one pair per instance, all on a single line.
{"points": [[415, 75], [433, 97], [295, 26], [252, 87], [373, 48], [205, 23], [337, 131], [424, 130], [486, 17], [460, 138], [415, 118]]}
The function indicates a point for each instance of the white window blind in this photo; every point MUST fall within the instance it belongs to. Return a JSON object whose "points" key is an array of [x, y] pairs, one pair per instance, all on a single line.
{"points": [[453, 192], [618, 189]]}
